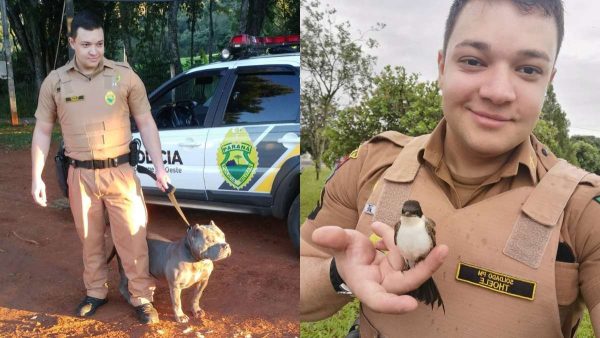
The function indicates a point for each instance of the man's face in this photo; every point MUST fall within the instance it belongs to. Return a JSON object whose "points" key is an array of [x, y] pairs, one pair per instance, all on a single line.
{"points": [[494, 76], [89, 48]]}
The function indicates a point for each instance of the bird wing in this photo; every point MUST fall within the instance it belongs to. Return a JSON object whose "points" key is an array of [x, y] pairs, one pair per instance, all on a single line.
{"points": [[396, 228], [430, 226]]}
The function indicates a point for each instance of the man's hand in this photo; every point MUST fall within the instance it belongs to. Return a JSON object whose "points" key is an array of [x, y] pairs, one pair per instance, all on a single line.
{"points": [[38, 191], [375, 278], [162, 179]]}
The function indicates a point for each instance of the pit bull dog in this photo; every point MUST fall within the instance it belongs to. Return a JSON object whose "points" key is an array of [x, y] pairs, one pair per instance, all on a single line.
{"points": [[185, 263]]}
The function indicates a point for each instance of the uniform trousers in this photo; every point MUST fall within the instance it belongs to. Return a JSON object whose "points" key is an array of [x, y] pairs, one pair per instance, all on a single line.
{"points": [[117, 190]]}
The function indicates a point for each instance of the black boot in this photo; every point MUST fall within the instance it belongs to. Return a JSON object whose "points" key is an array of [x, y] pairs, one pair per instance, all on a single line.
{"points": [[147, 314], [89, 305]]}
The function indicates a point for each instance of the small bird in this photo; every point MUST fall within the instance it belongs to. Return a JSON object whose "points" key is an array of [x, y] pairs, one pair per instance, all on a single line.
{"points": [[414, 235]]}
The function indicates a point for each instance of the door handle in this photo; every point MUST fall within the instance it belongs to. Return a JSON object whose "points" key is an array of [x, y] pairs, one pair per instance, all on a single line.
{"points": [[190, 144]]}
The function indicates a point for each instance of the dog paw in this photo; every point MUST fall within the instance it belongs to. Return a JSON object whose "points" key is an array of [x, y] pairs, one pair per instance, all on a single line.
{"points": [[198, 313], [182, 319]]}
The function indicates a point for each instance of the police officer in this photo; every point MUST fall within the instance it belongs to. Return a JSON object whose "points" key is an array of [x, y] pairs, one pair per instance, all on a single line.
{"points": [[92, 99], [521, 247]]}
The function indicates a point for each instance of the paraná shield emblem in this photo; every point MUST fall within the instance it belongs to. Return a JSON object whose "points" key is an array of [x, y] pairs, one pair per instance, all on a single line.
{"points": [[237, 158], [110, 98]]}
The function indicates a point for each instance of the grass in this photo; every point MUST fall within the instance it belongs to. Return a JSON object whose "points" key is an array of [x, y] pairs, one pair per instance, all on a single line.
{"points": [[19, 137], [338, 324]]}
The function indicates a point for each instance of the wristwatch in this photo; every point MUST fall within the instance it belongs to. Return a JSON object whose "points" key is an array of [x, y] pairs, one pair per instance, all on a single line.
{"points": [[337, 282]]}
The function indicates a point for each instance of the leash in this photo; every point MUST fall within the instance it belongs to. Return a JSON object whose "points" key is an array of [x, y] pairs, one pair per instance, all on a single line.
{"points": [[170, 192]]}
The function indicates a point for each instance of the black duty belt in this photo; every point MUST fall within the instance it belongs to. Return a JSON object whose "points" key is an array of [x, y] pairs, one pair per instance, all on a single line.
{"points": [[101, 164]]}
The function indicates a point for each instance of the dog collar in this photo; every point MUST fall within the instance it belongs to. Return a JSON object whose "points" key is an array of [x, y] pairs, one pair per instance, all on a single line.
{"points": [[189, 247]]}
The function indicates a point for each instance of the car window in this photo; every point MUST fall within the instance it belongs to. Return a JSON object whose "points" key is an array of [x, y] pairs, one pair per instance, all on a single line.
{"points": [[185, 105], [263, 98]]}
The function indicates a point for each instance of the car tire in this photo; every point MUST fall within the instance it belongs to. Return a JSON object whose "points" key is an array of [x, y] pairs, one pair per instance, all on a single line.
{"points": [[293, 223]]}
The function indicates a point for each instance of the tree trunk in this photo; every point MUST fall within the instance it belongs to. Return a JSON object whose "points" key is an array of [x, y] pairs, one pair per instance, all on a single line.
{"points": [[256, 17], [125, 20], [17, 27], [211, 30], [192, 30], [244, 15], [172, 37]]}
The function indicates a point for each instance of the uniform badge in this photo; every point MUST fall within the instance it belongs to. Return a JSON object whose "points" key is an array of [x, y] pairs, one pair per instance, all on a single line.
{"points": [[237, 158], [495, 281], [354, 154], [369, 209], [116, 80], [597, 199], [75, 98], [110, 98]]}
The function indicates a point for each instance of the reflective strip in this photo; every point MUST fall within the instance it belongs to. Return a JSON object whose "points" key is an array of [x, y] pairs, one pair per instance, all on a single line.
{"points": [[265, 183]]}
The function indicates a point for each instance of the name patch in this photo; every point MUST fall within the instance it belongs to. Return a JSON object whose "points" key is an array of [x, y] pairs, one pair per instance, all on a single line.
{"points": [[495, 281], [74, 98]]}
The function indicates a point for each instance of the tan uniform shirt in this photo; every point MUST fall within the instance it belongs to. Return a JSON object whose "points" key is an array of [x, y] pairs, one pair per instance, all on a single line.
{"points": [[347, 191], [93, 110]]}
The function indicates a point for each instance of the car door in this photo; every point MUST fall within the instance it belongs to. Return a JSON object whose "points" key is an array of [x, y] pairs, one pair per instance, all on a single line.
{"points": [[182, 111], [257, 131]]}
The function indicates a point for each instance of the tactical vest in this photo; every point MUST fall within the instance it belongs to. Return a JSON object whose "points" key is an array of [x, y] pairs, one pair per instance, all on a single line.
{"points": [[94, 114], [498, 279]]}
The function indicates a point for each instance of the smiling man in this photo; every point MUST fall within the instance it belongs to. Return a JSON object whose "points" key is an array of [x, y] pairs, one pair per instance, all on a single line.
{"points": [[92, 98], [520, 252]]}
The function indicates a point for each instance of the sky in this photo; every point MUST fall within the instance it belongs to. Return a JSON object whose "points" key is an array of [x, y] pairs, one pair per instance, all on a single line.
{"points": [[414, 33]]}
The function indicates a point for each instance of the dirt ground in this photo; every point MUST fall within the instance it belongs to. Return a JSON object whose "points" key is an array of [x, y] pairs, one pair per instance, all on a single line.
{"points": [[254, 293]]}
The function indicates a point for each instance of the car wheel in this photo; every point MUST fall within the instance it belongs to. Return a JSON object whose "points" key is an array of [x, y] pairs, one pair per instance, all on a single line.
{"points": [[293, 223]]}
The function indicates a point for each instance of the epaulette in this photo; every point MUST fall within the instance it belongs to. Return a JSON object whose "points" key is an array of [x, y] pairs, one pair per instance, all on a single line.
{"points": [[123, 64], [544, 155], [392, 136]]}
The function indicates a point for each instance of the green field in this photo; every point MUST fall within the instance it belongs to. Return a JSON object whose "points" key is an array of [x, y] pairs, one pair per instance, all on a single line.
{"points": [[19, 137], [337, 325]]}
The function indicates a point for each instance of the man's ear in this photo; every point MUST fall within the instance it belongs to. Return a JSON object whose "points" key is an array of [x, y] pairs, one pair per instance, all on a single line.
{"points": [[72, 42], [440, 61]]}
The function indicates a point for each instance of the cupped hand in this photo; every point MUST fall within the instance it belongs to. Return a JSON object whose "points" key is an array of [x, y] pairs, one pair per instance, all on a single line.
{"points": [[374, 277]]}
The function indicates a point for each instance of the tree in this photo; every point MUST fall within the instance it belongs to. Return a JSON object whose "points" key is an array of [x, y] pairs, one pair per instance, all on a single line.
{"points": [[556, 118], [283, 17], [588, 156], [398, 101], [172, 37], [334, 64]]}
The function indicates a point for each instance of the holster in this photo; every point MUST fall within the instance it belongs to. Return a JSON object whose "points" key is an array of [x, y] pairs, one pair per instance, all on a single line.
{"points": [[62, 169], [134, 150]]}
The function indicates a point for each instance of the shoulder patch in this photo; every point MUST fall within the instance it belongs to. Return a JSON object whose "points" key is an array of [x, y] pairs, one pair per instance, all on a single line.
{"points": [[354, 153], [597, 199]]}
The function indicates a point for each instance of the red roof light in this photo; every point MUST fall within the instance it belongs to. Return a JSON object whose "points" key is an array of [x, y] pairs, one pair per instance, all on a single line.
{"points": [[293, 38], [243, 39]]}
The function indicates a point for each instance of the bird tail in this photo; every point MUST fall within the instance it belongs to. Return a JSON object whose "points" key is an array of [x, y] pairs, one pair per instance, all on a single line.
{"points": [[429, 294]]}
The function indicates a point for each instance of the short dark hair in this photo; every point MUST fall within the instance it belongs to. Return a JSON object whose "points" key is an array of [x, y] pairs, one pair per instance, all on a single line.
{"points": [[552, 8], [85, 19]]}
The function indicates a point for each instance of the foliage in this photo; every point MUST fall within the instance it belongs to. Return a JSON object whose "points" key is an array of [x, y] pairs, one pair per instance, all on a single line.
{"points": [[334, 64], [587, 155], [137, 29], [556, 119], [398, 101]]}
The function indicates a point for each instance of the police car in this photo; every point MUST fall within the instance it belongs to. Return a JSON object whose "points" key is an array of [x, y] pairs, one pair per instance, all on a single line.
{"points": [[230, 132]]}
